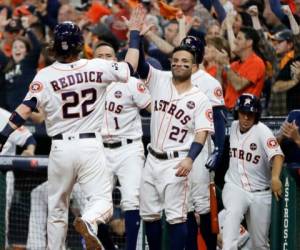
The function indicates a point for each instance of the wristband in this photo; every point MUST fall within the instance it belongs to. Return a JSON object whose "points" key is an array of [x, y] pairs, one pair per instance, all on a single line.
{"points": [[16, 119], [7, 130], [195, 150], [134, 39]]}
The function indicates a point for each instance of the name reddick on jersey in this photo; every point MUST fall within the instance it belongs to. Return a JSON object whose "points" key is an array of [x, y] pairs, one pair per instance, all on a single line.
{"points": [[77, 78]]}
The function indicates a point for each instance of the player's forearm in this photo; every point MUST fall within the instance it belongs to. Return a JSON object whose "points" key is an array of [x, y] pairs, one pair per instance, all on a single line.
{"points": [[132, 55], [219, 124], [277, 163], [200, 137]]}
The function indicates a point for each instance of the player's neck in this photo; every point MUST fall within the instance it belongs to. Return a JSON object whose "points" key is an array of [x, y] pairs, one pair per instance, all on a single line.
{"points": [[182, 86], [69, 59]]}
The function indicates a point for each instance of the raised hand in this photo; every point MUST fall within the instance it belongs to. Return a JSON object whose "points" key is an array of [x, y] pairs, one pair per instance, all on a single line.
{"points": [[252, 10], [286, 10], [295, 69], [137, 18]]}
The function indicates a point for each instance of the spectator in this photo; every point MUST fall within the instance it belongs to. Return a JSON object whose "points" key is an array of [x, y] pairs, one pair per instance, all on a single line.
{"points": [[209, 60], [289, 137], [21, 68], [246, 74], [67, 12], [284, 47]]}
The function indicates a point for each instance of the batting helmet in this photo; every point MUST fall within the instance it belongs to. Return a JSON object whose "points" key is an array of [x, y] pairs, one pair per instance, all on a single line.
{"points": [[248, 103], [68, 39], [196, 45], [294, 115]]}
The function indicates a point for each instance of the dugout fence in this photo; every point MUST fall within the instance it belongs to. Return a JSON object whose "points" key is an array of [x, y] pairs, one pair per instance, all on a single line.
{"points": [[31, 172]]}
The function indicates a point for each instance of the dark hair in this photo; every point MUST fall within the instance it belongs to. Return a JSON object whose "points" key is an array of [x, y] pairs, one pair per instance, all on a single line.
{"points": [[100, 44], [11, 63], [250, 34], [25, 41], [186, 48]]}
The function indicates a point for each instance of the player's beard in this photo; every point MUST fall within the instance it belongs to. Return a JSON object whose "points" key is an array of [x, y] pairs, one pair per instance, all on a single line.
{"points": [[182, 75]]}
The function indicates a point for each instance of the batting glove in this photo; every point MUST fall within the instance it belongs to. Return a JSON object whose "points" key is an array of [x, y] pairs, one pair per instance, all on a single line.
{"points": [[213, 160]]}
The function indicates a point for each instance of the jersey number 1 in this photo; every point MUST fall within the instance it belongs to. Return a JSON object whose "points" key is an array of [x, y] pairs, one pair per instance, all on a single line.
{"points": [[73, 99]]}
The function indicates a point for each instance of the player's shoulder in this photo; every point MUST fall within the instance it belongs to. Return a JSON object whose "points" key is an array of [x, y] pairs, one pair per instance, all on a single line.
{"points": [[261, 125], [263, 128], [161, 73], [202, 76], [198, 92], [136, 85]]}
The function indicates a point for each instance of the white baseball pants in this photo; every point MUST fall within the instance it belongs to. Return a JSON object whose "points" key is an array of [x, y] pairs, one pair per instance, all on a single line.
{"points": [[127, 162], [256, 207], [77, 160], [161, 189]]}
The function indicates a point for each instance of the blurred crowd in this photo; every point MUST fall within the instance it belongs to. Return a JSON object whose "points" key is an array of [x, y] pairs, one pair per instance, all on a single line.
{"points": [[265, 63]]}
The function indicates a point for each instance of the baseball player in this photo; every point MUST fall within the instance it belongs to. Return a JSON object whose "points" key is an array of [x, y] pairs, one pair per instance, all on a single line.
{"points": [[243, 239], [180, 121], [70, 94], [199, 180], [20, 137], [254, 169], [123, 147]]}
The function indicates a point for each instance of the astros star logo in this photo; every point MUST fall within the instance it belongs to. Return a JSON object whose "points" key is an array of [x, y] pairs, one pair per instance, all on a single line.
{"points": [[188, 40], [248, 101], [272, 143]]}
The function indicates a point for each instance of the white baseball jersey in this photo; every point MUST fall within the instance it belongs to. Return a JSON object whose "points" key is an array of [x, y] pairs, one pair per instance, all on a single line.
{"points": [[250, 154], [210, 86], [176, 117], [69, 92], [121, 117], [17, 138]]}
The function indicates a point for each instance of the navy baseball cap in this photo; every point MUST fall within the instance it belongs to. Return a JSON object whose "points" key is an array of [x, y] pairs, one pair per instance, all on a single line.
{"points": [[283, 35]]}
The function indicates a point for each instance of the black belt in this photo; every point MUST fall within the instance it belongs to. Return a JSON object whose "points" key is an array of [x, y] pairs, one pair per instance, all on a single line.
{"points": [[261, 190], [116, 144], [163, 156], [81, 136]]}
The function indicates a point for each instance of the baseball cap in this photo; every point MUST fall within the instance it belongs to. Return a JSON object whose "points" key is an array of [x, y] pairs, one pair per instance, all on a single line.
{"points": [[283, 35]]}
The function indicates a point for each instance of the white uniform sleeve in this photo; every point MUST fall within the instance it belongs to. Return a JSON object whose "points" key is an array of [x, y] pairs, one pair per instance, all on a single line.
{"points": [[114, 71], [269, 141], [204, 116], [38, 89], [140, 93], [210, 86], [156, 77]]}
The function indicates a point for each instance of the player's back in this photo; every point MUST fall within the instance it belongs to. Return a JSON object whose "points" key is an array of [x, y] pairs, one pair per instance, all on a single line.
{"points": [[72, 94]]}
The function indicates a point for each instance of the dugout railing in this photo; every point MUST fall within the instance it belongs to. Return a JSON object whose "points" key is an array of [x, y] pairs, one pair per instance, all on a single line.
{"points": [[284, 233]]}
